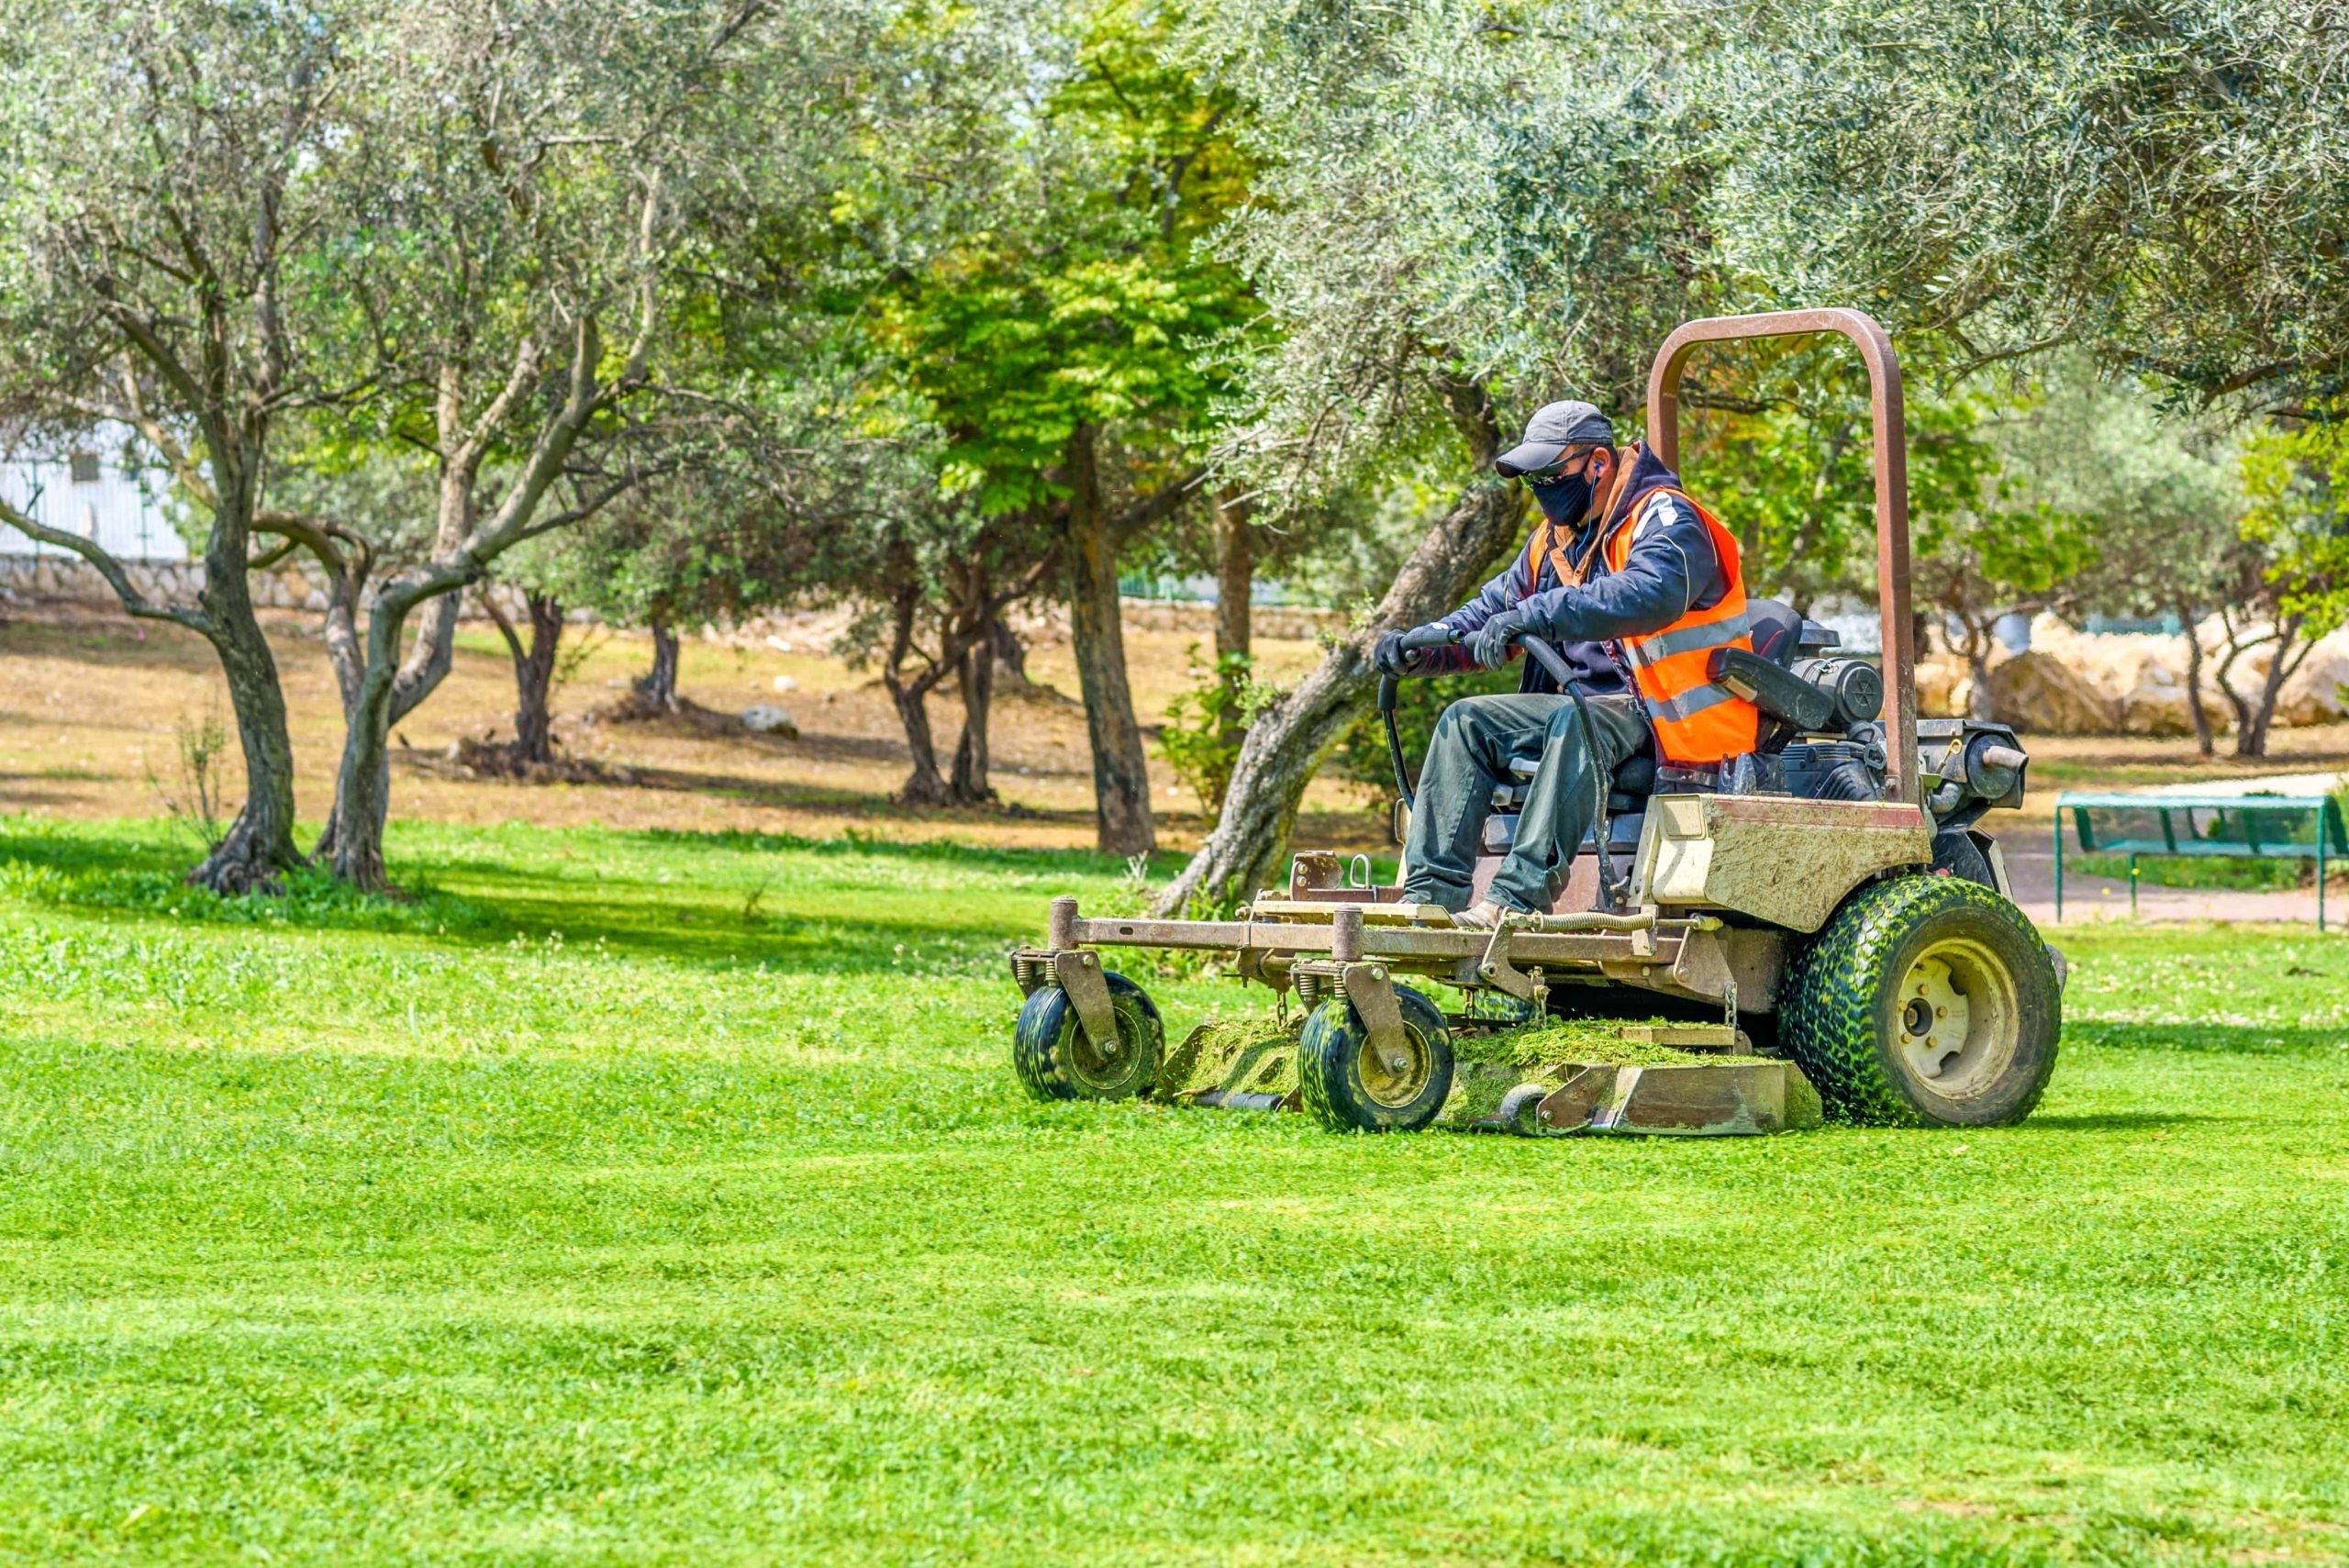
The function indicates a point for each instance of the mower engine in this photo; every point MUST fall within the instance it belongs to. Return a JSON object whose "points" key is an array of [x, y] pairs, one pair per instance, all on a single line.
{"points": [[1824, 741]]}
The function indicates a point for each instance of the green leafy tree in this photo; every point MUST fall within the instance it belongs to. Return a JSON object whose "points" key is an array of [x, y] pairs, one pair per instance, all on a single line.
{"points": [[1462, 213], [1984, 547], [2158, 180], [2296, 480], [559, 196], [2161, 493], [1062, 346], [173, 174]]}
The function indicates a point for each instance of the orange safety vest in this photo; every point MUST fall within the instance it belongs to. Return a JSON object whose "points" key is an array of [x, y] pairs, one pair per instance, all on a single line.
{"points": [[1696, 721]]}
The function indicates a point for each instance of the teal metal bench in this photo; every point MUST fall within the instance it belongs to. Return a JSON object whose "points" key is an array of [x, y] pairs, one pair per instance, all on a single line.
{"points": [[2224, 827]]}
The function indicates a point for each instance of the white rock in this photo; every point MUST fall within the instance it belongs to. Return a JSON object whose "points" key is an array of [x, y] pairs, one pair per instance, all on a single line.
{"points": [[785, 684], [2040, 693], [2312, 693], [763, 719], [780, 646]]}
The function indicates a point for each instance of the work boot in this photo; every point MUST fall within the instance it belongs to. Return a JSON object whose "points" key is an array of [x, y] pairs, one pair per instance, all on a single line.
{"points": [[1485, 915]]}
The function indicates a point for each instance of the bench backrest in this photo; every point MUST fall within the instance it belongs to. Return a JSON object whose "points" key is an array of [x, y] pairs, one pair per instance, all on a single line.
{"points": [[2236, 827]]}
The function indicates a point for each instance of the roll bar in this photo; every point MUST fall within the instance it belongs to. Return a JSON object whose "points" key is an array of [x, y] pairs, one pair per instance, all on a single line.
{"points": [[1891, 430]]}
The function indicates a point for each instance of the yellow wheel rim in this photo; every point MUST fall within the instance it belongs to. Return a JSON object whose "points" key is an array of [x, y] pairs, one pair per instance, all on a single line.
{"points": [[1956, 1021], [1395, 1079]]}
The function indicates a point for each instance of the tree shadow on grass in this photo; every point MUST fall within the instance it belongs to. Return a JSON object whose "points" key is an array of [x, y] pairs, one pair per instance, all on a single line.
{"points": [[943, 851], [835, 799], [738, 921]]}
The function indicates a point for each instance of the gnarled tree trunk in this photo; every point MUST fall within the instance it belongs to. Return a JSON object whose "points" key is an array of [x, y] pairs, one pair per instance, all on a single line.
{"points": [[969, 785], [656, 689], [1235, 575], [1010, 653], [1289, 742], [1122, 823], [533, 673], [1975, 649], [259, 844], [911, 697], [2255, 717], [1235, 580], [2204, 740]]}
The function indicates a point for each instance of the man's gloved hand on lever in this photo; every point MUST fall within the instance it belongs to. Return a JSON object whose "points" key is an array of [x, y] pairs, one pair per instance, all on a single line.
{"points": [[1402, 652], [1489, 645]]}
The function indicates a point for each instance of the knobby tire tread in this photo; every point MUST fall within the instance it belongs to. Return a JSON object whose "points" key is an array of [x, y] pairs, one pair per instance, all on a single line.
{"points": [[1048, 1022], [1829, 1018], [1332, 1038]]}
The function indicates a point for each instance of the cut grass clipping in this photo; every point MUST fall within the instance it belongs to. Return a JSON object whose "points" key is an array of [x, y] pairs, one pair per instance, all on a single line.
{"points": [[1597, 1043]]}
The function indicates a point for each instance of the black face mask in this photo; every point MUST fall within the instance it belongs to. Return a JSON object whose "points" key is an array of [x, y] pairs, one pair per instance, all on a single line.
{"points": [[1565, 502]]}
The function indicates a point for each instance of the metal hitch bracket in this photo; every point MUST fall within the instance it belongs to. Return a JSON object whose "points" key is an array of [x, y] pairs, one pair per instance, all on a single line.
{"points": [[1079, 973], [1372, 997]]}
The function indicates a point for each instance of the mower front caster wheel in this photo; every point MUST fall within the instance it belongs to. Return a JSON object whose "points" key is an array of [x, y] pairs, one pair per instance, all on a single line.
{"points": [[1350, 1085], [1057, 1061]]}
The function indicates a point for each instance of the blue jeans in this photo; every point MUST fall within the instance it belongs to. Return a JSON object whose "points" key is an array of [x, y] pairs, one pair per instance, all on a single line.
{"points": [[1468, 758]]}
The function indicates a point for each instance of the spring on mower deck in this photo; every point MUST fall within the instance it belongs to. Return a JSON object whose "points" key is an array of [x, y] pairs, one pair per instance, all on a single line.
{"points": [[1311, 988], [1031, 972]]}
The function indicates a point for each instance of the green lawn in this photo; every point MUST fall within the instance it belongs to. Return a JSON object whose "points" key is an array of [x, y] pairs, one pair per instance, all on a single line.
{"points": [[635, 1197]]}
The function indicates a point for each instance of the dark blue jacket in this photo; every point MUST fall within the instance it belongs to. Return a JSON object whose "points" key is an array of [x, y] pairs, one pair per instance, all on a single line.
{"points": [[1672, 569]]}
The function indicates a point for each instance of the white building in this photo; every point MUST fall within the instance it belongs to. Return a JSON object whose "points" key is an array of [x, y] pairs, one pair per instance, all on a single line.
{"points": [[78, 485]]}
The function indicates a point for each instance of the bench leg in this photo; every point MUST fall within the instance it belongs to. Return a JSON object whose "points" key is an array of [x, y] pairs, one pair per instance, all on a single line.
{"points": [[2059, 865]]}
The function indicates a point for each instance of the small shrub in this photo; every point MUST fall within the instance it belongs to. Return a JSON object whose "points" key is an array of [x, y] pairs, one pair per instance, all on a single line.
{"points": [[193, 801], [1205, 725]]}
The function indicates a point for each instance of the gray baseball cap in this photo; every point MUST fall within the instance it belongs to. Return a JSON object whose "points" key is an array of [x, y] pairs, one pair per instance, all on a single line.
{"points": [[1554, 427]]}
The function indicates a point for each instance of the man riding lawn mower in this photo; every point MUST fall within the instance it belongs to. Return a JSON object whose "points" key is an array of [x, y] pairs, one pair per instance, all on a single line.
{"points": [[1694, 808], [1622, 557]]}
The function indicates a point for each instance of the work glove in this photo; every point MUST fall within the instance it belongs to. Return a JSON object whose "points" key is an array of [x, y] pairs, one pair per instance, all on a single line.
{"points": [[1488, 644], [1392, 658]]}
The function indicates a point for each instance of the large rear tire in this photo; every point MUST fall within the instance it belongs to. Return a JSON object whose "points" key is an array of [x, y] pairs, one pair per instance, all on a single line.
{"points": [[1349, 1086], [1056, 1060], [1926, 1001]]}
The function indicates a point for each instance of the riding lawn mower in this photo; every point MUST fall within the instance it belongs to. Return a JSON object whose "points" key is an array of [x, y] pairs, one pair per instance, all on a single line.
{"points": [[1819, 930]]}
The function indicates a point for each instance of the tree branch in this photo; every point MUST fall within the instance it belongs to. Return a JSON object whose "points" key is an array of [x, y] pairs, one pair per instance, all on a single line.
{"points": [[133, 601], [1156, 506]]}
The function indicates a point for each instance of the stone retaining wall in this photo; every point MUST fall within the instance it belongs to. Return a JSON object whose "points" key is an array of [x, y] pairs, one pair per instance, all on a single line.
{"points": [[68, 579]]}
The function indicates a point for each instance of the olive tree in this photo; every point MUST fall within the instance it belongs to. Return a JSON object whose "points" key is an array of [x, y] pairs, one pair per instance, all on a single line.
{"points": [[1063, 340], [560, 191], [2159, 180], [171, 175], [1462, 214]]}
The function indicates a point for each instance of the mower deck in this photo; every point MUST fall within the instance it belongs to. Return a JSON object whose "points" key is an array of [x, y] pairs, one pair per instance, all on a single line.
{"points": [[1741, 1094], [1322, 947]]}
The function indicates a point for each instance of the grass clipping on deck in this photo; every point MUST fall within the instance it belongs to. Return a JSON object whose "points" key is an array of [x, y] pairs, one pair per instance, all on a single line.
{"points": [[1589, 1041], [1252, 1052]]}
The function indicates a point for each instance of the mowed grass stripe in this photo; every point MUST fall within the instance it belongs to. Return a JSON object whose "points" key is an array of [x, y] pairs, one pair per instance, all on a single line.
{"points": [[631, 1252]]}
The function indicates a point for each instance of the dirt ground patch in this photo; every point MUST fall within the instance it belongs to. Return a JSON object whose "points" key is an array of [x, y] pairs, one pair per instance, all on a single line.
{"points": [[92, 704]]}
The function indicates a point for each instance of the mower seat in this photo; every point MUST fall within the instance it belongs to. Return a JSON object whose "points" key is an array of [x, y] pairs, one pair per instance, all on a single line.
{"points": [[1627, 802], [1778, 634], [1627, 792]]}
